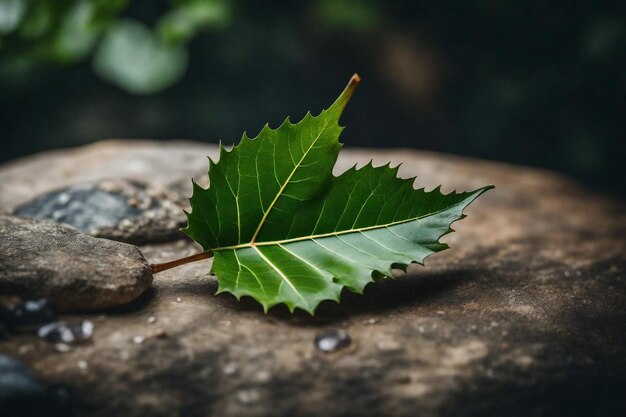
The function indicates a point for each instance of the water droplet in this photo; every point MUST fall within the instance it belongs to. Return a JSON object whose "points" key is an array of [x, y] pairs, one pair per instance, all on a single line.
{"points": [[371, 321], [62, 347], [332, 340], [230, 368], [82, 365], [152, 320], [179, 300], [248, 396], [126, 223], [66, 332], [263, 376], [63, 198], [31, 313], [139, 339], [389, 345]]}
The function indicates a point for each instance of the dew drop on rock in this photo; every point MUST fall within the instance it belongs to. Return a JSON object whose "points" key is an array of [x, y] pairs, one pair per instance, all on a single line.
{"points": [[389, 345], [248, 396], [82, 365], [66, 332], [230, 368], [332, 340], [62, 347], [263, 376], [63, 198]]}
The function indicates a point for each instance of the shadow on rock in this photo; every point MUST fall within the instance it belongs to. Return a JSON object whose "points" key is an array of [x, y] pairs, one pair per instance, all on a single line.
{"points": [[379, 297], [137, 304]]}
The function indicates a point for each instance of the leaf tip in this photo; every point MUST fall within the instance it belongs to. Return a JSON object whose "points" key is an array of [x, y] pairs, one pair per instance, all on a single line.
{"points": [[347, 93]]}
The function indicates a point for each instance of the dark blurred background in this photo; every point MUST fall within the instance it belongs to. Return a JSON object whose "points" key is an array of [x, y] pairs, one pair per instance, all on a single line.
{"points": [[529, 82]]}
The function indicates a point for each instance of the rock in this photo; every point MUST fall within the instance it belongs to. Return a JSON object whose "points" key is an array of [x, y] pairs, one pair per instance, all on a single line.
{"points": [[523, 316], [74, 271], [22, 395], [128, 211], [157, 164]]}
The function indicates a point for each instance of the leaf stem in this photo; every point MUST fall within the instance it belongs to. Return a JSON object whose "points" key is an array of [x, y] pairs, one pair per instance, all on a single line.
{"points": [[156, 268]]}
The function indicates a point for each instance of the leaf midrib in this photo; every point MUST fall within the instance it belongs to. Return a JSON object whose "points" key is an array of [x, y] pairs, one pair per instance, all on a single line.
{"points": [[330, 234]]}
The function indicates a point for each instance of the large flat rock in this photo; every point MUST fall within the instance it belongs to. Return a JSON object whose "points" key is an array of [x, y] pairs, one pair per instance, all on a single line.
{"points": [[524, 315]]}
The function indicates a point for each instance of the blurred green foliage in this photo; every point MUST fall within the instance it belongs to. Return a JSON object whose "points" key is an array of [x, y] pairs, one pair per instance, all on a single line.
{"points": [[360, 16], [535, 82], [139, 57], [124, 51]]}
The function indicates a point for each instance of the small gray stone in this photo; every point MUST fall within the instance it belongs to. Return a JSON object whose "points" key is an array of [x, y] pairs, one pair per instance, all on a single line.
{"points": [[66, 332], [128, 211], [76, 272], [21, 394]]}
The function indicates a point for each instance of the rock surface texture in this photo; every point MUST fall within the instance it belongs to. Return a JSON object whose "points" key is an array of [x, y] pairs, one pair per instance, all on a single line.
{"points": [[41, 258], [524, 315], [117, 209]]}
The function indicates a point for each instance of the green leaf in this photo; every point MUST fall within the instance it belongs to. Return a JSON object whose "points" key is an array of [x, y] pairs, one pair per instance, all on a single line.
{"points": [[283, 229]]}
